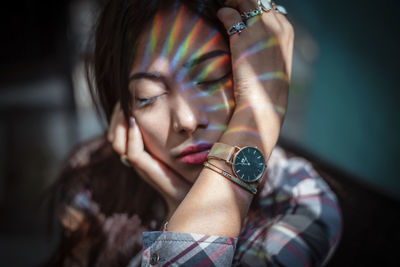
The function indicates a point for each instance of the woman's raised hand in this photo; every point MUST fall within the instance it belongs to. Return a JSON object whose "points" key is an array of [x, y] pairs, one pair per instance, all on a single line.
{"points": [[127, 141], [261, 64], [264, 47]]}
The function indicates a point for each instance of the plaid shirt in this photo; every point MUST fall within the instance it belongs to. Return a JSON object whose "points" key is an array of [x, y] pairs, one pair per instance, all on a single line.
{"points": [[299, 225]]}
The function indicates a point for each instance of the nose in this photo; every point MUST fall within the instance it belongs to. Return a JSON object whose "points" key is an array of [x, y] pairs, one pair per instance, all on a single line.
{"points": [[187, 117]]}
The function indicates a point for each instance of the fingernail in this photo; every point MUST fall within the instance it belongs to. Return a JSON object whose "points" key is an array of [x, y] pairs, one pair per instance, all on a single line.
{"points": [[132, 122]]}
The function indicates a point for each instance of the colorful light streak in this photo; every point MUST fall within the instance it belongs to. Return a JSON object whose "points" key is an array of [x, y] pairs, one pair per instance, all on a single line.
{"points": [[209, 45], [258, 47], [189, 40], [212, 41], [217, 127], [174, 32], [150, 48], [242, 129], [242, 107], [219, 62], [250, 22], [217, 107], [210, 92], [278, 109], [204, 94], [279, 75]]}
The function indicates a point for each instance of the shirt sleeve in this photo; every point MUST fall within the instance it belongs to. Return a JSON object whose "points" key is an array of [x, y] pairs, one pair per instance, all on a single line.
{"points": [[186, 249], [298, 224], [300, 220]]}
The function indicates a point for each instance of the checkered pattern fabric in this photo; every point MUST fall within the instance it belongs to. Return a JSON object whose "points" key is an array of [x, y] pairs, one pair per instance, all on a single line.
{"points": [[185, 249], [299, 225]]}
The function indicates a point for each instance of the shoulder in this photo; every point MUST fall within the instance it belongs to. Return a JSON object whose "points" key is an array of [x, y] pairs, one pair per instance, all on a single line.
{"points": [[72, 191], [80, 169], [84, 153], [289, 172], [95, 198]]}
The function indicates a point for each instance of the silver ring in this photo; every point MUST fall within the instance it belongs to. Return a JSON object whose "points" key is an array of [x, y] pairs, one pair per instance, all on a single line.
{"points": [[125, 161], [265, 5], [262, 6], [252, 13], [281, 9], [237, 28]]}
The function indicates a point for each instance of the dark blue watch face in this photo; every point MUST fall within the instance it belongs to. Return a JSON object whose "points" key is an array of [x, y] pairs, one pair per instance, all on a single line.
{"points": [[249, 164]]}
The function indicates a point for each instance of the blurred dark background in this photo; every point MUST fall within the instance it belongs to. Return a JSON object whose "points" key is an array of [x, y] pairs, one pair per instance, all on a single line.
{"points": [[343, 110]]}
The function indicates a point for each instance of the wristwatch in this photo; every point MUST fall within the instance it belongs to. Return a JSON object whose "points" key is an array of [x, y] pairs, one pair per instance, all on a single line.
{"points": [[265, 5], [247, 163]]}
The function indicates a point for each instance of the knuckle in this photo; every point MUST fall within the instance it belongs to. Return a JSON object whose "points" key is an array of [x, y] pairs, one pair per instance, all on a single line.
{"points": [[132, 157], [230, 16], [289, 28], [286, 24]]}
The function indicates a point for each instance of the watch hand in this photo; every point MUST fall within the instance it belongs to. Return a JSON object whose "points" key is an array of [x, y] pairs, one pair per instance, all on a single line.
{"points": [[247, 161]]}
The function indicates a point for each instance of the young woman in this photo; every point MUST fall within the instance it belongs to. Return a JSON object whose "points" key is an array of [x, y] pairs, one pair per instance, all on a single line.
{"points": [[195, 93]]}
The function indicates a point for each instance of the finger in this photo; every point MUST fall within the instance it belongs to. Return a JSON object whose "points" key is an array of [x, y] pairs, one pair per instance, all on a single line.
{"points": [[120, 134], [229, 17], [284, 22], [140, 161], [242, 5], [111, 129], [152, 170], [286, 40], [135, 144]]}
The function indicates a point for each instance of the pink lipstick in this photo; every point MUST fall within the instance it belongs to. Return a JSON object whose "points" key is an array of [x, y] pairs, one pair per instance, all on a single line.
{"points": [[195, 154]]}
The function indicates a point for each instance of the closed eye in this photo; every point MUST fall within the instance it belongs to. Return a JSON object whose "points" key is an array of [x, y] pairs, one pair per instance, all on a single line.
{"points": [[141, 102], [145, 102], [213, 82]]}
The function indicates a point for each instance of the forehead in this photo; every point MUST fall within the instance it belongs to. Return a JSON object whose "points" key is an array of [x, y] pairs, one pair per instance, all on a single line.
{"points": [[173, 38]]}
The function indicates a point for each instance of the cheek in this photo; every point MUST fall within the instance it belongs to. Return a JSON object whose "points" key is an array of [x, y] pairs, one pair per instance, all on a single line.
{"points": [[154, 127]]}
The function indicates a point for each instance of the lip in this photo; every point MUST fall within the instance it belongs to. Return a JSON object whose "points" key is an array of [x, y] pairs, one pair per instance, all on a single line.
{"points": [[195, 158], [195, 154]]}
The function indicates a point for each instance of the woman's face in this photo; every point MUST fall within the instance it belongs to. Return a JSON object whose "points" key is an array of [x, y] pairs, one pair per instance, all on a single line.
{"points": [[182, 89]]}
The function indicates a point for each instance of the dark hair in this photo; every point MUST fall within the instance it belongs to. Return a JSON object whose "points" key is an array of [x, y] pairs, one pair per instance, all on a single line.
{"points": [[119, 27], [94, 167]]}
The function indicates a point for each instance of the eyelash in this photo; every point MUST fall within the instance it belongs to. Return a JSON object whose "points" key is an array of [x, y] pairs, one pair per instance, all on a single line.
{"points": [[146, 102], [214, 82]]}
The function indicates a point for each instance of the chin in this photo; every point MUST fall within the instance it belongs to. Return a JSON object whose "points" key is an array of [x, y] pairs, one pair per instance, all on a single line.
{"points": [[192, 172]]}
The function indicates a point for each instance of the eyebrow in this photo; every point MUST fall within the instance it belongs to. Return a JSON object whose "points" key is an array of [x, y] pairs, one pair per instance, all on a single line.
{"points": [[189, 64], [147, 75], [204, 57]]}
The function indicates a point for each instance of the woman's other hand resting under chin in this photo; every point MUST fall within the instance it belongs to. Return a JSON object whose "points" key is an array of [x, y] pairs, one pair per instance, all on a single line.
{"points": [[127, 141]]}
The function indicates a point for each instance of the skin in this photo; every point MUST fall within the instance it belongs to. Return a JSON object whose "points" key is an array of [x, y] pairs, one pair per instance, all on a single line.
{"points": [[200, 200], [182, 99]]}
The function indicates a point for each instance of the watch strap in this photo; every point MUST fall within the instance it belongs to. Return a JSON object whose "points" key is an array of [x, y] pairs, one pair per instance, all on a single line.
{"points": [[252, 188], [222, 152]]}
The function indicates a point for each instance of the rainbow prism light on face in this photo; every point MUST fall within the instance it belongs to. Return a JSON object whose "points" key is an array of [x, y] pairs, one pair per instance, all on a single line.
{"points": [[178, 98], [181, 77]]}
